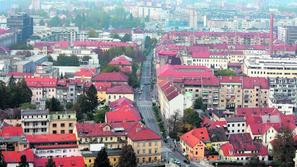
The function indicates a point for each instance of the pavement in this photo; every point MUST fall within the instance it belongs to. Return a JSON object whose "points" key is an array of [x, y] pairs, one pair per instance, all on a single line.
{"points": [[170, 150]]}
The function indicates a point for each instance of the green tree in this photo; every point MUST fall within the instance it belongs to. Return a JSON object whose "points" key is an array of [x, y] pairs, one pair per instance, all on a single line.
{"points": [[191, 117], [175, 122], [2, 161], [92, 34], [25, 106], [283, 148], [225, 72], [53, 104], [133, 80], [24, 92], [92, 97], [100, 114], [110, 68], [50, 163], [128, 157], [4, 102], [126, 38], [102, 159], [82, 107], [115, 36], [198, 104], [64, 60], [255, 162], [23, 162], [55, 22], [69, 106]]}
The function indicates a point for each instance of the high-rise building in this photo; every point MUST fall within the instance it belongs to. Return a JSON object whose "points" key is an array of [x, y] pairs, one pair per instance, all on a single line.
{"points": [[35, 5], [288, 34], [22, 24]]}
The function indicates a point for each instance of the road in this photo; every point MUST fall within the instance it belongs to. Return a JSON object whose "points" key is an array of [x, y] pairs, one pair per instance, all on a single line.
{"points": [[144, 104]]}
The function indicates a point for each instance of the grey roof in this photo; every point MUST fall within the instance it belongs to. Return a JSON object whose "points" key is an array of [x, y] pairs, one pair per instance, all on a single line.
{"points": [[217, 134], [235, 119], [35, 112]]}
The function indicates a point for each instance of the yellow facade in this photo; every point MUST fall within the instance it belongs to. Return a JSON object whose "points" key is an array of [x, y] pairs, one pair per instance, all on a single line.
{"points": [[62, 123], [147, 152], [193, 153], [102, 95], [113, 160]]}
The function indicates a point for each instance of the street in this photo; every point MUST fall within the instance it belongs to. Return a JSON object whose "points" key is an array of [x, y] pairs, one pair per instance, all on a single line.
{"points": [[144, 104]]}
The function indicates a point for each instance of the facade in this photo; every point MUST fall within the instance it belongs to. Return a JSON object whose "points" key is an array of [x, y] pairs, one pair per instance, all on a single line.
{"points": [[22, 24], [116, 92], [236, 125], [288, 34], [35, 121], [62, 122], [270, 67], [7, 38], [12, 139], [239, 91], [13, 158], [193, 143]]}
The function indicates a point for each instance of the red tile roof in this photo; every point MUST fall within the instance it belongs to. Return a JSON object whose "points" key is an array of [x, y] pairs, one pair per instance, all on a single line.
{"points": [[167, 53], [56, 146], [120, 102], [122, 116], [77, 161], [195, 137], [85, 72], [203, 81], [141, 133], [174, 72], [51, 138], [10, 131], [121, 60], [248, 82], [110, 77], [19, 74], [15, 156], [41, 82], [102, 86], [94, 129], [169, 90], [102, 44], [121, 89]]}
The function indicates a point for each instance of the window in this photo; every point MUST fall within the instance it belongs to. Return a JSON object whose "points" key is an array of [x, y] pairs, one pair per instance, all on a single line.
{"points": [[54, 132], [70, 124], [70, 131], [62, 131], [54, 125], [62, 125]]}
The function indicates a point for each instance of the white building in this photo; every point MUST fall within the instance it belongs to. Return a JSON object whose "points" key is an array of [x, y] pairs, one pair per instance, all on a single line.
{"points": [[35, 121], [236, 125]]}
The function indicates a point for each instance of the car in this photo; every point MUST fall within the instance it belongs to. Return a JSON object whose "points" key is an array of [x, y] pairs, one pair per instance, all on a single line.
{"points": [[186, 161]]}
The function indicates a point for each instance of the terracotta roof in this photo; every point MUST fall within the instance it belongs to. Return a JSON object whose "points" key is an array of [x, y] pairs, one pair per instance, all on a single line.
{"points": [[102, 86], [41, 82], [167, 53], [212, 81], [141, 133], [110, 77], [121, 60], [102, 44], [122, 116], [85, 72], [121, 89], [169, 90], [55, 146], [195, 136], [15, 156], [120, 102], [95, 129], [10, 131], [50, 138], [77, 161]]}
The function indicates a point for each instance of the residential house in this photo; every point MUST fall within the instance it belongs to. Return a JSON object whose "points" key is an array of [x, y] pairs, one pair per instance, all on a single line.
{"points": [[116, 92], [116, 78], [12, 139], [13, 158], [63, 122], [74, 161], [123, 62], [35, 121], [236, 125]]}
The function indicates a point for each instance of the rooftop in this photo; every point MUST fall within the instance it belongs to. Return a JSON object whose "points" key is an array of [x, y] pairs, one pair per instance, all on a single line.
{"points": [[121, 89], [35, 112], [51, 138], [15, 156], [110, 77], [195, 137], [77, 161]]}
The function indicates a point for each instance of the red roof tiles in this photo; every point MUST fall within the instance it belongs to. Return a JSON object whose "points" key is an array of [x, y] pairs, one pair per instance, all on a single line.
{"points": [[248, 82], [77, 161], [120, 102], [140, 133], [110, 77], [85, 72], [121, 60], [51, 138], [122, 116], [10, 131], [15, 156], [41, 82], [121, 89], [195, 137], [169, 90]]}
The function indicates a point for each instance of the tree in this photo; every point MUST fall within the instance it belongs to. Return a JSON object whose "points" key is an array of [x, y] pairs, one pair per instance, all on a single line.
{"points": [[23, 162], [2, 161], [53, 104], [255, 162], [92, 34], [82, 107], [64, 60], [175, 123], [128, 157], [191, 117], [100, 114], [225, 72], [102, 159], [69, 106], [126, 38], [92, 97], [115, 36], [110, 68], [133, 80], [18, 93], [25, 106], [24, 92], [50, 163], [198, 104], [55, 22], [4, 103], [283, 148]]}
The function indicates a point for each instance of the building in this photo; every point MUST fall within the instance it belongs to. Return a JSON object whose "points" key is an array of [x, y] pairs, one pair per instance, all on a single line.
{"points": [[36, 5], [288, 34], [35, 121], [239, 91], [123, 62], [241, 148], [193, 143], [62, 122], [22, 24], [146, 144], [282, 94], [12, 139], [116, 78], [125, 113], [75, 161], [116, 92], [13, 158], [236, 125], [270, 67], [53, 145], [7, 38], [113, 156]]}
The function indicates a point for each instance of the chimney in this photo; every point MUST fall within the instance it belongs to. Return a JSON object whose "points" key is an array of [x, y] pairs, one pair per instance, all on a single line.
{"points": [[271, 35]]}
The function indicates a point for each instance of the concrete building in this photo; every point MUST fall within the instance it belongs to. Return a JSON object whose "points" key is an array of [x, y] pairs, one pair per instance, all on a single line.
{"points": [[270, 67], [35, 121], [22, 24], [236, 125], [62, 122], [7, 38], [288, 34]]}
